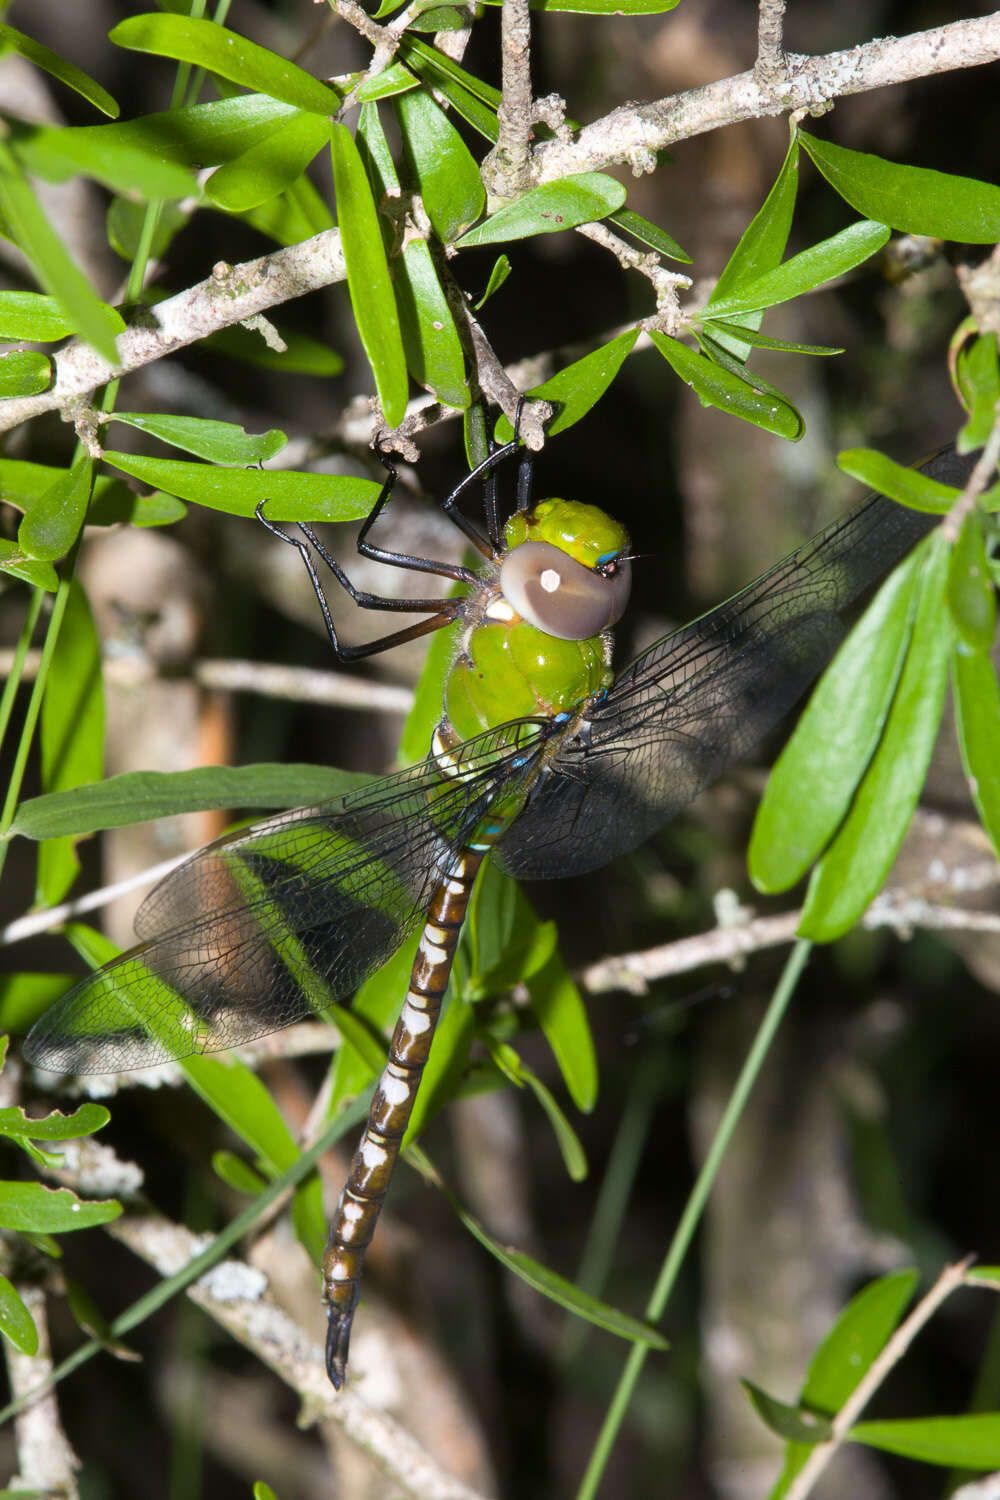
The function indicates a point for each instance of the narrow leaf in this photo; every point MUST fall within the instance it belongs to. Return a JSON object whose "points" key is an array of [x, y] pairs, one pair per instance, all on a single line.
{"points": [[72, 732], [23, 372], [52, 525], [739, 333], [814, 778], [240, 1100], [579, 386], [914, 200], [806, 271], [792, 1423], [447, 174], [717, 387], [972, 597], [290, 494], [138, 796], [579, 199], [649, 234], [856, 1339], [219, 442], [207, 45], [977, 713], [498, 275], [237, 1174], [16, 1323], [762, 243], [852, 871], [52, 265], [368, 276], [907, 486], [15, 1124], [967, 1442], [562, 1015], [30, 315], [50, 62], [270, 166], [57, 155], [433, 347], [33, 1209]]}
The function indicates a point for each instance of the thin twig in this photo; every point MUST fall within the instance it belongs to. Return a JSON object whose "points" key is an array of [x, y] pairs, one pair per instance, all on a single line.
{"points": [[950, 1279], [665, 284], [46, 1462]]}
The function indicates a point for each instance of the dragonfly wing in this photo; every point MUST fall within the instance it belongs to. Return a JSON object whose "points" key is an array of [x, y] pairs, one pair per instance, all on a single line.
{"points": [[269, 925], [698, 700]]}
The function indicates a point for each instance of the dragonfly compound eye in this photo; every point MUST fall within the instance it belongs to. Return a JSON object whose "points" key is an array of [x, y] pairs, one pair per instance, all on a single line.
{"points": [[561, 597]]}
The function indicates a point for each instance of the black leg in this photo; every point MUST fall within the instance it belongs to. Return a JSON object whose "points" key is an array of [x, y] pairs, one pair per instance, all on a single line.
{"points": [[445, 610]]}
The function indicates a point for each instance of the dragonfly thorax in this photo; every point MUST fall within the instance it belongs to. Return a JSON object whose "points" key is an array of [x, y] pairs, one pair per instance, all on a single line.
{"points": [[537, 639]]}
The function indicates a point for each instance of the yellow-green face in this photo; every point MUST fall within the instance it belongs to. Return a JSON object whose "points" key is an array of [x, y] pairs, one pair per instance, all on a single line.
{"points": [[542, 649], [582, 531]]}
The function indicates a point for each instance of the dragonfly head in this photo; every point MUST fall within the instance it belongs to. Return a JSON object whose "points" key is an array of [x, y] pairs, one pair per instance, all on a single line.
{"points": [[565, 569]]}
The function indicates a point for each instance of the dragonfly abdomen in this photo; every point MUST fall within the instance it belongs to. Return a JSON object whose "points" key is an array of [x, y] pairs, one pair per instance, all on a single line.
{"points": [[368, 1180]]}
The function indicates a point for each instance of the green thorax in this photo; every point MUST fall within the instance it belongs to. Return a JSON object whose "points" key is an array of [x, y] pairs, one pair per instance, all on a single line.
{"points": [[506, 668]]}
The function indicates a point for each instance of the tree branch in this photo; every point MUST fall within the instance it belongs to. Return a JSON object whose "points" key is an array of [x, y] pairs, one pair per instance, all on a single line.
{"points": [[634, 133], [230, 295]]}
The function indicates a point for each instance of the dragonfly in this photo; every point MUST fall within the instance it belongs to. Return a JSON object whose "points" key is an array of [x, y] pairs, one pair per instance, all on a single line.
{"points": [[544, 760]]}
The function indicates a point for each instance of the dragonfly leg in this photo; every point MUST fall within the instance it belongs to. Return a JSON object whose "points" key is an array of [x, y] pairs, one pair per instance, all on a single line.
{"points": [[371, 1169], [444, 611]]}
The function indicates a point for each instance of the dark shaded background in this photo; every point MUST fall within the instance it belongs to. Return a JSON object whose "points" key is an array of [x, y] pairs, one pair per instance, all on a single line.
{"points": [[871, 1139]]}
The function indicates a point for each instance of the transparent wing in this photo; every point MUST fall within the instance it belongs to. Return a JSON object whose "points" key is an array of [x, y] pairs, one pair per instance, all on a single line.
{"points": [[269, 925], [697, 701]]}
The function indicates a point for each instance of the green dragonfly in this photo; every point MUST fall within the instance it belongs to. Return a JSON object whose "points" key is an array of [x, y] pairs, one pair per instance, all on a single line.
{"points": [[544, 760]]}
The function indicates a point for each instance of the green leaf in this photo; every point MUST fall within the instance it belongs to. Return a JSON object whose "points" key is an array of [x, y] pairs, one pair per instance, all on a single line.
{"points": [[715, 386], [578, 387], [25, 995], [846, 1354], [219, 442], [33, 1209], [290, 494], [649, 234], [498, 275], [25, 485], [72, 732], [262, 1491], [302, 355], [240, 1100], [914, 200], [368, 276], [207, 45], [852, 871], [806, 271], [979, 381], [968, 1442], [562, 1015], [53, 524], [515, 1069], [16, 1323], [30, 315], [446, 172], [907, 486], [719, 354], [269, 166], [51, 264], [792, 1423], [738, 333], [392, 80], [16, 1125], [579, 199], [23, 372], [57, 155], [237, 1174], [814, 778], [762, 243], [202, 134], [972, 597], [548, 1282], [977, 713], [138, 796], [430, 338], [468, 95], [15, 561], [57, 67], [856, 1339]]}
